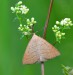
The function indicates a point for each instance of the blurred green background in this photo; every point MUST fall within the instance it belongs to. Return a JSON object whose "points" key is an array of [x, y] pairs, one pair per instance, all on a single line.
{"points": [[12, 48]]}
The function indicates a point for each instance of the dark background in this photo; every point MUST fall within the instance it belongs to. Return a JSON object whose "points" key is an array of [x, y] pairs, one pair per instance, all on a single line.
{"points": [[12, 48]]}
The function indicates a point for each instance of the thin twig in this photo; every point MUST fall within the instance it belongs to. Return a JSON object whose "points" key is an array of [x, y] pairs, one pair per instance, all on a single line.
{"points": [[47, 20], [45, 30]]}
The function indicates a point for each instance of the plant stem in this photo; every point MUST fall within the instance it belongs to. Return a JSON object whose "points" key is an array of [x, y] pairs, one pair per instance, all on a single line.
{"points": [[32, 29], [47, 20], [45, 30], [19, 18], [42, 68]]}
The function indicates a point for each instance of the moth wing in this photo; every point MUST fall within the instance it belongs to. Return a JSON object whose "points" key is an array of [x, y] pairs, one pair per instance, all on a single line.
{"points": [[49, 51], [31, 55]]}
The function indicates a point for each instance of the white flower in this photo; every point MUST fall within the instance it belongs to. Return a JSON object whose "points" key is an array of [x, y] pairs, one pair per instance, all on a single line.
{"points": [[23, 6], [20, 8], [58, 35], [63, 34], [17, 8], [25, 33], [54, 30], [28, 20], [19, 3], [20, 25], [62, 22], [24, 9], [32, 22], [57, 22], [67, 19], [32, 19], [13, 9], [55, 26], [66, 22]]}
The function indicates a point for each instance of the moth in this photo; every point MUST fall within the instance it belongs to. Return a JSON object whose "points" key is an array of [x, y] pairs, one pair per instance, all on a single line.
{"points": [[39, 50]]}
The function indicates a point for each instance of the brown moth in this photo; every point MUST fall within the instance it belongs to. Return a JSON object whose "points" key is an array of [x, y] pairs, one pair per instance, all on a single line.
{"points": [[39, 50]]}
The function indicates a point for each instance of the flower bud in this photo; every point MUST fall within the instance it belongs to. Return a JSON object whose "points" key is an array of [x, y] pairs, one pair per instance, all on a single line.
{"points": [[13, 9], [20, 2], [20, 25], [63, 34], [57, 22]]}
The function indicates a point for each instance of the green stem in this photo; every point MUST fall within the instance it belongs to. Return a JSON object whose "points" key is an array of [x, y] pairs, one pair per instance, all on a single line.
{"points": [[19, 18]]}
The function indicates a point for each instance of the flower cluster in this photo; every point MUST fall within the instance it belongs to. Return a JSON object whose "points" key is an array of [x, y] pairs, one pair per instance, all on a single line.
{"points": [[19, 8], [25, 28], [66, 22], [59, 28], [31, 22]]}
